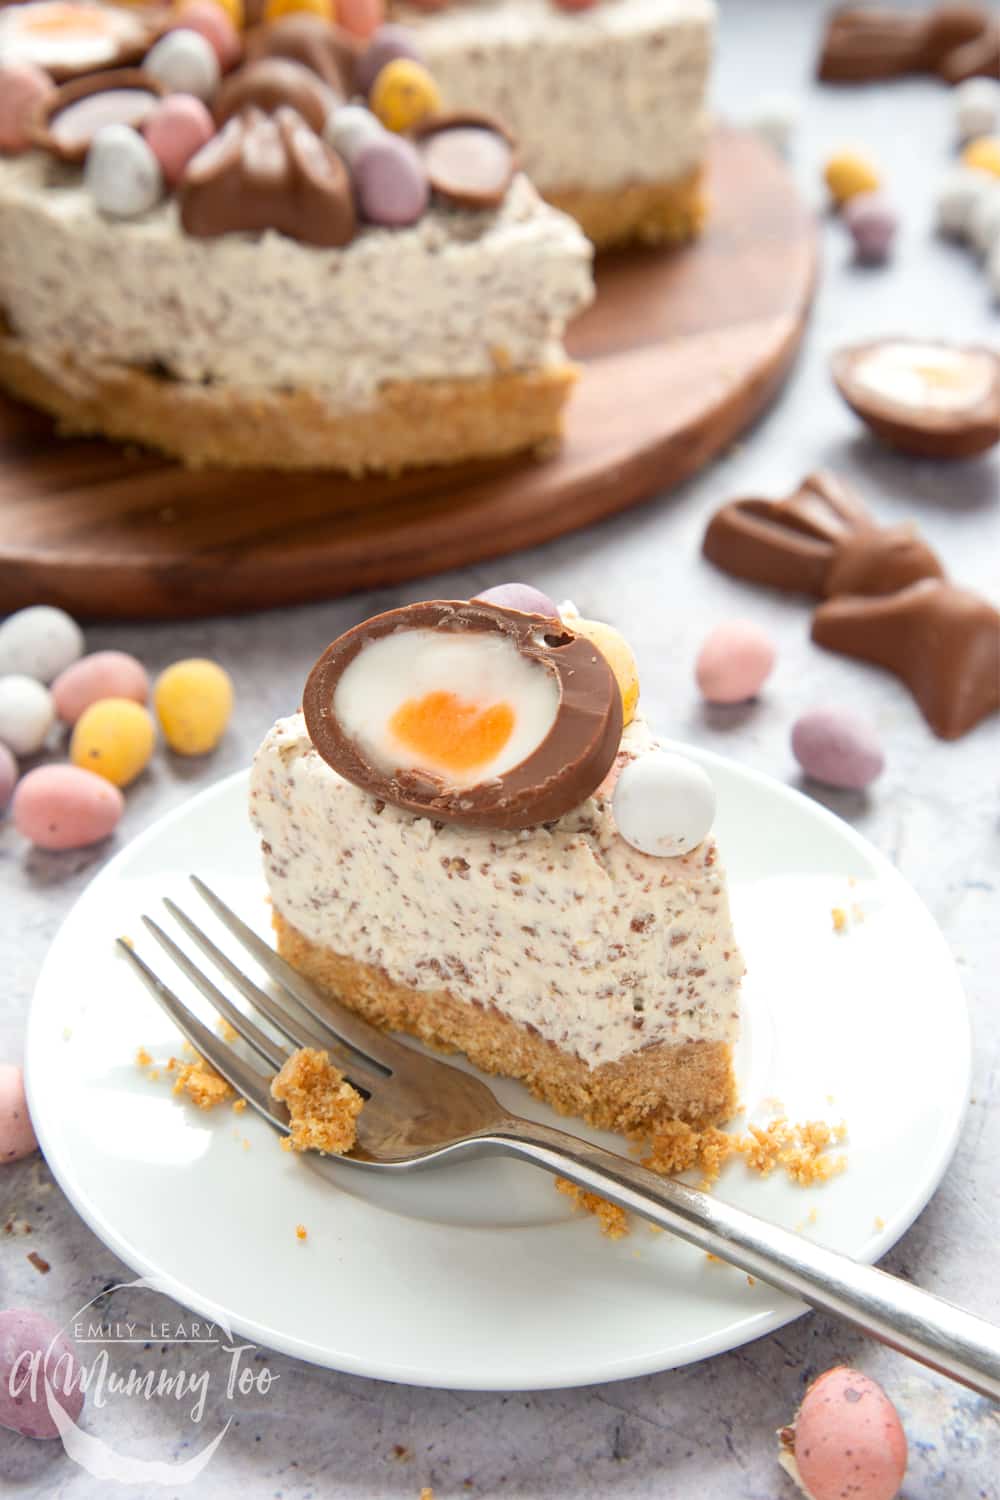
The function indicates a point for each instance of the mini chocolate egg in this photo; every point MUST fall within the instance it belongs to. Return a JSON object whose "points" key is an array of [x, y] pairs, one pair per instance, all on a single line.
{"points": [[193, 701], [976, 103], [530, 601], [184, 62], [848, 173], [663, 804], [618, 654], [215, 24], [176, 131], [65, 807], [23, 86], [983, 230], [847, 1439], [934, 399], [39, 642], [390, 182], [466, 713], [403, 94], [734, 662], [956, 198], [70, 38], [17, 1134], [31, 1344], [26, 713], [113, 737], [775, 117], [388, 43], [103, 674], [837, 747], [873, 223], [350, 128], [8, 776], [983, 154], [360, 17], [121, 173]]}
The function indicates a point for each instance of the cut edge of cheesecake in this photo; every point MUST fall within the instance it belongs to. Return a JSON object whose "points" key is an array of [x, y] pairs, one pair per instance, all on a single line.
{"points": [[410, 423], [691, 1080]]}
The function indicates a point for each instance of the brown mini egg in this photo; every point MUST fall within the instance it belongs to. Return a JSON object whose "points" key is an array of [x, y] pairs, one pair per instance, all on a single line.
{"points": [[467, 713]]}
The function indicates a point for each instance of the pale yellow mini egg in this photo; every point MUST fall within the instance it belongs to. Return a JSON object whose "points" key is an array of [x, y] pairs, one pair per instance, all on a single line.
{"points": [[114, 738], [983, 154], [275, 9], [193, 701], [403, 94], [618, 654], [848, 173]]}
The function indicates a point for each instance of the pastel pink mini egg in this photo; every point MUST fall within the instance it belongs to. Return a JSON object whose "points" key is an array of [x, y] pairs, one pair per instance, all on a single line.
{"points": [[65, 807], [849, 1440], [213, 23], [35, 1354], [17, 1134], [175, 131], [734, 662], [8, 776], [521, 596], [837, 747], [361, 17], [22, 87], [103, 674]]}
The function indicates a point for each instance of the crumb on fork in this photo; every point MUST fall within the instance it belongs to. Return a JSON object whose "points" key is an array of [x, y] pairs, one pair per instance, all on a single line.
{"points": [[323, 1106], [613, 1220]]}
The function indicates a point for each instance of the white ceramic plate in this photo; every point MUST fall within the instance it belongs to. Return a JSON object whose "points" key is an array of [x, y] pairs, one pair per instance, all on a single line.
{"points": [[480, 1276]]}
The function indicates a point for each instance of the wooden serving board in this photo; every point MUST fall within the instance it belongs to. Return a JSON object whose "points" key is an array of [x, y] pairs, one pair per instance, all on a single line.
{"points": [[680, 351]]}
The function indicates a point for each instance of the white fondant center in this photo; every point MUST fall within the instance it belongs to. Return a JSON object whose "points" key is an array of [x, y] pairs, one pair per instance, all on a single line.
{"points": [[928, 375]]}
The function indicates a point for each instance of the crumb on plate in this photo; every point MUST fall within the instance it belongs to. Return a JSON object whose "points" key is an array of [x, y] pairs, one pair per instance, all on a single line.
{"points": [[301, 1232], [839, 916], [614, 1221], [323, 1106], [203, 1085]]}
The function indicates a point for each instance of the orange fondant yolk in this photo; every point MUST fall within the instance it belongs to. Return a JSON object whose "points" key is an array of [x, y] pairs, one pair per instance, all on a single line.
{"points": [[452, 732]]}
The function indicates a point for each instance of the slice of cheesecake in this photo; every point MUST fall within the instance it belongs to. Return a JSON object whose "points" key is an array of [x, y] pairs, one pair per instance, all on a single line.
{"points": [[605, 979]]}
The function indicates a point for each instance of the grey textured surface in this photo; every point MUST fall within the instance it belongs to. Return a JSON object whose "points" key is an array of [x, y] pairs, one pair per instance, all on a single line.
{"points": [[708, 1428]]}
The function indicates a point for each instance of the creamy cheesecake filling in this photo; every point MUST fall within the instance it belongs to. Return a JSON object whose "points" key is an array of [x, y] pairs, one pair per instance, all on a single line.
{"points": [[563, 928], [461, 294], [597, 99]]}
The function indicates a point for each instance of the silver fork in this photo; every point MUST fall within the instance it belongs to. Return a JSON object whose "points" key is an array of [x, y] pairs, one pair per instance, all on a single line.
{"points": [[422, 1113]]}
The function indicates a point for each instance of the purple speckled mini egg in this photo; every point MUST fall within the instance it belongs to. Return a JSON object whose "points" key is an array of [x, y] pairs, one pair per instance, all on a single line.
{"points": [[390, 182], [837, 747], [388, 43], [33, 1352], [872, 222], [521, 596]]}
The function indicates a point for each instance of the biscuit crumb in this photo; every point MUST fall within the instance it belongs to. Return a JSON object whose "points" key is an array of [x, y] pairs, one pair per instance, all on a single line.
{"points": [[613, 1220], [879, 1222], [426, 1493], [323, 1106], [839, 916], [301, 1232], [228, 1033], [39, 1263], [143, 1058], [127, 941], [239, 1105], [203, 1085]]}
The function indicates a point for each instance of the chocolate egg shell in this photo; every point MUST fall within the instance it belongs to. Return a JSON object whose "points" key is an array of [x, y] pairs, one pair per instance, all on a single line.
{"points": [[469, 158], [917, 420], [561, 770], [70, 117], [271, 83]]}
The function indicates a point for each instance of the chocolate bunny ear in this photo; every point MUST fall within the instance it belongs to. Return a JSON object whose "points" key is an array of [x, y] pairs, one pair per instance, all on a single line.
{"points": [[791, 543], [821, 540]]}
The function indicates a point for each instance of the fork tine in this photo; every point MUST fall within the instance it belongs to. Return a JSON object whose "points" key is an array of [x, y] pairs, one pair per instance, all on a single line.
{"points": [[247, 1082], [262, 1044], [299, 1033], [374, 1046]]}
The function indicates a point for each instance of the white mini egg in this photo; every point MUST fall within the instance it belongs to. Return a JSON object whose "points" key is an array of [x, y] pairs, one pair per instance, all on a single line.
{"points": [[984, 220], [39, 642], [663, 804], [121, 173], [956, 197], [27, 713], [185, 62], [775, 117], [977, 107], [351, 128]]}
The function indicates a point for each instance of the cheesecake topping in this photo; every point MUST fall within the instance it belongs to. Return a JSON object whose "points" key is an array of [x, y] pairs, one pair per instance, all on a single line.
{"points": [[466, 713]]}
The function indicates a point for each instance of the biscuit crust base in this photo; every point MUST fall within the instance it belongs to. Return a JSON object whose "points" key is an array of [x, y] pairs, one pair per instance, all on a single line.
{"points": [[690, 1081], [410, 424], [645, 213]]}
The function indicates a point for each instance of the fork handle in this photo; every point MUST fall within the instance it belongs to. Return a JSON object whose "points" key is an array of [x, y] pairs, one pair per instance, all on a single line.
{"points": [[928, 1329]]}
